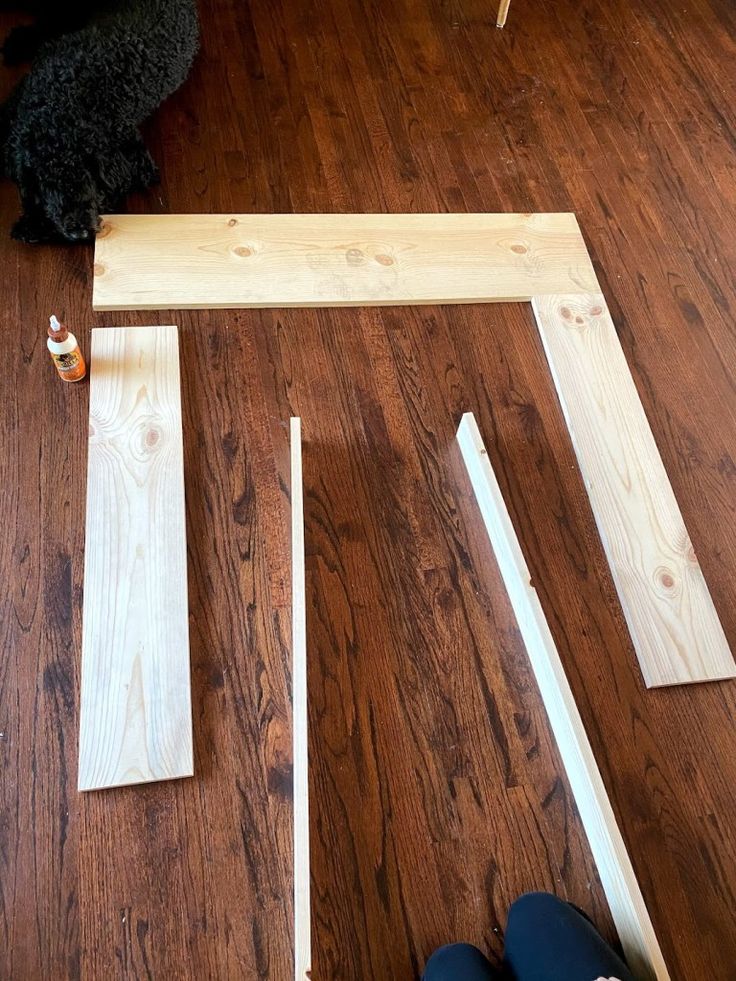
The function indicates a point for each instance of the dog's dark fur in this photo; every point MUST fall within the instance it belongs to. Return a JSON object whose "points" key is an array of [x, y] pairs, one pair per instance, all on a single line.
{"points": [[69, 133]]}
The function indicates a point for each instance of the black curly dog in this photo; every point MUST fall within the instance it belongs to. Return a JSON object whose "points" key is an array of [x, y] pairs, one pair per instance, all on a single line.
{"points": [[69, 133]]}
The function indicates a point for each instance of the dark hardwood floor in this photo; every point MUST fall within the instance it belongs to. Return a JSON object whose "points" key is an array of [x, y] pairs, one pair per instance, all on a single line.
{"points": [[437, 791]]}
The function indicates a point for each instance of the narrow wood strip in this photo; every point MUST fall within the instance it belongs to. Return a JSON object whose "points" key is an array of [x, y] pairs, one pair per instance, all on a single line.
{"points": [[617, 876], [178, 261], [300, 723], [135, 714], [669, 611], [503, 12]]}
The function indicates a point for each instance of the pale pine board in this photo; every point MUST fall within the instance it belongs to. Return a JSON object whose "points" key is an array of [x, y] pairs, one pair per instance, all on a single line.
{"points": [[669, 611], [145, 262], [616, 873], [300, 726], [135, 716]]}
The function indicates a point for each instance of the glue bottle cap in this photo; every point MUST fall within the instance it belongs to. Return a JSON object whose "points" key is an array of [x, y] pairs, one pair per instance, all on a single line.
{"points": [[57, 331]]}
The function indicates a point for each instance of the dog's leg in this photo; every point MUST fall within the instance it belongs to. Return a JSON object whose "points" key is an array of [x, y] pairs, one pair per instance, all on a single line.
{"points": [[125, 168], [144, 171], [33, 227]]}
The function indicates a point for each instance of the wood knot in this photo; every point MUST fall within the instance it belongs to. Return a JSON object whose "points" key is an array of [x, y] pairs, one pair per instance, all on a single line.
{"points": [[519, 249], [152, 437], [385, 260], [565, 313], [105, 230], [98, 269], [596, 311], [243, 251], [667, 580], [232, 223], [355, 257]]}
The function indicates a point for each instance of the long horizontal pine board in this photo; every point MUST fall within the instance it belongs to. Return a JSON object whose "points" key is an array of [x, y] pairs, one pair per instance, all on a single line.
{"points": [[607, 846], [149, 262], [136, 721], [673, 623]]}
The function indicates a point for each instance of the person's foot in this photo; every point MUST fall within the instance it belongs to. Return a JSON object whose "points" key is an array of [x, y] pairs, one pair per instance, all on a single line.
{"points": [[460, 962], [547, 939]]}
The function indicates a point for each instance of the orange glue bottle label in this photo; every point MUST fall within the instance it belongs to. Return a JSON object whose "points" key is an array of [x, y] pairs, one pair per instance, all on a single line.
{"points": [[71, 366]]}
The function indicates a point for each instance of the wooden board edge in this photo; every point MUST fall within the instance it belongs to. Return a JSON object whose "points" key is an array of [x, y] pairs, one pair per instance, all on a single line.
{"points": [[300, 715], [104, 307], [142, 217], [91, 788], [174, 328], [617, 875]]}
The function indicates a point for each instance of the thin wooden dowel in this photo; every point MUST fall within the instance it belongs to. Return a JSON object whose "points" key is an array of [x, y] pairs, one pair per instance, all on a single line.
{"points": [[616, 873], [300, 717], [503, 10]]}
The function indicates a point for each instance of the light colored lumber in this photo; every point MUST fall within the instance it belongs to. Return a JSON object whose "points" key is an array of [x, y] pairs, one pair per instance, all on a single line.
{"points": [[135, 714], [300, 726], [503, 10], [669, 611], [606, 844], [148, 262]]}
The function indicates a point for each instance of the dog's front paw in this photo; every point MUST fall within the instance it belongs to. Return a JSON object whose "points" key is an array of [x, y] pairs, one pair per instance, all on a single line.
{"points": [[34, 228]]}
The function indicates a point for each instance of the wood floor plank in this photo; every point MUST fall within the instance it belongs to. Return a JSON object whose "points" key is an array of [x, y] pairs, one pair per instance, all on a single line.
{"points": [[191, 261], [673, 623], [616, 872], [300, 716], [135, 715]]}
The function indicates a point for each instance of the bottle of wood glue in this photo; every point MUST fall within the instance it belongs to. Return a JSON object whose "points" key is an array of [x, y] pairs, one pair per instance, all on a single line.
{"points": [[65, 352]]}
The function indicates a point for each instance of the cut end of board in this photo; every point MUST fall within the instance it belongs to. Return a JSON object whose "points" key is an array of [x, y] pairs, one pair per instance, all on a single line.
{"points": [[135, 779]]}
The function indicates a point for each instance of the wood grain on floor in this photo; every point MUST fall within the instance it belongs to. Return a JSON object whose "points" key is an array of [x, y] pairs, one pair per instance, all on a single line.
{"points": [[437, 794]]}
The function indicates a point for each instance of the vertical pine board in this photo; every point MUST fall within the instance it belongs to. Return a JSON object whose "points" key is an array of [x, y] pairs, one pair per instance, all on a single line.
{"points": [[135, 716], [616, 873], [300, 719], [673, 623]]}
